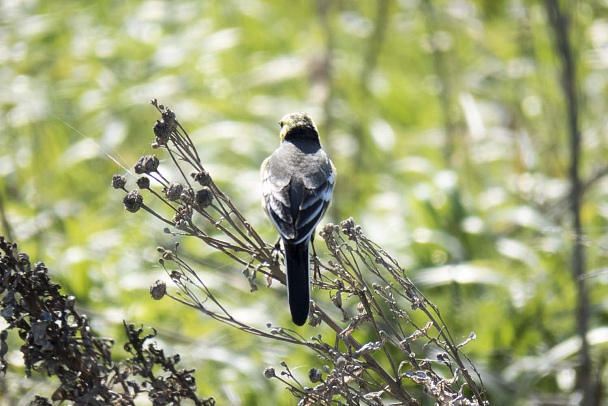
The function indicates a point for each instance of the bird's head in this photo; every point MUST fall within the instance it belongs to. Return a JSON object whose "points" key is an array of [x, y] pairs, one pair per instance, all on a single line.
{"points": [[298, 126]]}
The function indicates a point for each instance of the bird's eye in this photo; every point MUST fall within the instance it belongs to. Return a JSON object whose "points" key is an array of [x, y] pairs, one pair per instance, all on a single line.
{"points": [[281, 123]]}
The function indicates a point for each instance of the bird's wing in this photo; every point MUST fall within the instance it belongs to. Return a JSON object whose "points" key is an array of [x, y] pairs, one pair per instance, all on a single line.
{"points": [[295, 203], [316, 195], [276, 200]]}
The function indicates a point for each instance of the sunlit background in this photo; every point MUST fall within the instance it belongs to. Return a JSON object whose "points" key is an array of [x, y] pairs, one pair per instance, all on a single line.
{"points": [[445, 119]]}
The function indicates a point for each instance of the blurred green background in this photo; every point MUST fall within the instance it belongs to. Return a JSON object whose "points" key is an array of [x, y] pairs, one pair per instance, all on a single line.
{"points": [[446, 122]]}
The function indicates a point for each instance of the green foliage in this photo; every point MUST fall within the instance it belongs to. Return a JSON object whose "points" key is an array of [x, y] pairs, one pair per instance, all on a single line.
{"points": [[445, 120]]}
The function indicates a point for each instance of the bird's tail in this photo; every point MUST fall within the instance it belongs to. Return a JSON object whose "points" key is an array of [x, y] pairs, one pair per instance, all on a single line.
{"points": [[298, 282]]}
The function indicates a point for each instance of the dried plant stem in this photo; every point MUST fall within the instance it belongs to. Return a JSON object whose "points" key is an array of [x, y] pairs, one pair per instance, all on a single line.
{"points": [[560, 25], [359, 269]]}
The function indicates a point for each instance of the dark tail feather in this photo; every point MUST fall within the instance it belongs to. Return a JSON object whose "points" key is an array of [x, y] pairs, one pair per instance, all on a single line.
{"points": [[298, 282]]}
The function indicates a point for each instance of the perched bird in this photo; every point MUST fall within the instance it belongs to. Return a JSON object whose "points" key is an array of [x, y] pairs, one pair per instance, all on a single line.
{"points": [[297, 185]]}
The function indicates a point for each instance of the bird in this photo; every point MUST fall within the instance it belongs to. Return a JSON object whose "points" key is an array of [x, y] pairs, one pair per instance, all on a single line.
{"points": [[297, 186]]}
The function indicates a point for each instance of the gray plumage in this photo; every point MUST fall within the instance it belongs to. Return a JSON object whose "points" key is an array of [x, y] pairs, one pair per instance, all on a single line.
{"points": [[297, 186]]}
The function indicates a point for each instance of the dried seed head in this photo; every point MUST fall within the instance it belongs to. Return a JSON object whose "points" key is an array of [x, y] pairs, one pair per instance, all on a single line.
{"points": [[314, 318], [360, 308], [173, 191], [269, 373], [133, 201], [169, 117], [326, 231], [158, 289], [147, 164], [347, 225], [39, 267], [315, 375], [204, 197], [162, 131], [143, 183], [118, 181], [203, 178], [182, 217], [187, 196], [24, 259]]}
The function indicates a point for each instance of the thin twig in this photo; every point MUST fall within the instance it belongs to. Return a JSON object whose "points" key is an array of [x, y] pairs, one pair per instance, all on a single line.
{"points": [[560, 25]]}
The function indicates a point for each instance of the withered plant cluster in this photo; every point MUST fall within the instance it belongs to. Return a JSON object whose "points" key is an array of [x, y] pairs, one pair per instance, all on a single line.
{"points": [[57, 340], [411, 355]]}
